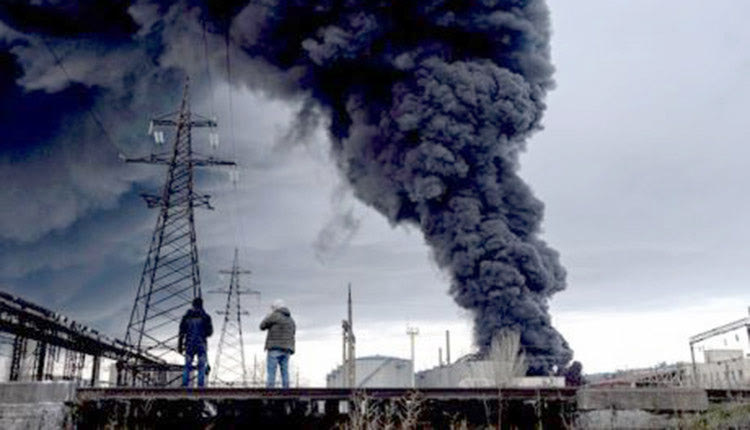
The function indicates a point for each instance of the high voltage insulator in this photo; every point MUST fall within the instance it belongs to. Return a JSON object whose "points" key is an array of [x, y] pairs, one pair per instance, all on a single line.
{"points": [[234, 176], [171, 276], [159, 137], [229, 365], [213, 139]]}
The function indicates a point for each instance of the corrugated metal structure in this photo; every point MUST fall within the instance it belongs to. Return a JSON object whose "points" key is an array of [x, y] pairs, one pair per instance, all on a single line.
{"points": [[375, 371], [715, 344], [721, 356]]}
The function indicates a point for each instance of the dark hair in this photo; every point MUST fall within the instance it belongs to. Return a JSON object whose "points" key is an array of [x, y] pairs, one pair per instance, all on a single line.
{"points": [[198, 302]]}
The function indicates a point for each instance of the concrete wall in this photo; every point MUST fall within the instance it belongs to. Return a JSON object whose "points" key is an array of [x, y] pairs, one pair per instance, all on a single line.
{"points": [[647, 399], [723, 374], [35, 405]]}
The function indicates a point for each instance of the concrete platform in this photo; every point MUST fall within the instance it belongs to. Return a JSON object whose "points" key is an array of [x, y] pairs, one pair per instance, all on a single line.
{"points": [[37, 392], [62, 404], [321, 408]]}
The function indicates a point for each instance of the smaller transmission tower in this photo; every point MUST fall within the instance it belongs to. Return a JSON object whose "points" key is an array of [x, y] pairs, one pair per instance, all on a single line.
{"points": [[230, 355]]}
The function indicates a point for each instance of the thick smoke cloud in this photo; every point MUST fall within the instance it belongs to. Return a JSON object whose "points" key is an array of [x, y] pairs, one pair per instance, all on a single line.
{"points": [[428, 105]]}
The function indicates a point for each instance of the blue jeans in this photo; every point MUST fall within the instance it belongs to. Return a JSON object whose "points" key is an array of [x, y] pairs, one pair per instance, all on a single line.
{"points": [[274, 357], [190, 352]]}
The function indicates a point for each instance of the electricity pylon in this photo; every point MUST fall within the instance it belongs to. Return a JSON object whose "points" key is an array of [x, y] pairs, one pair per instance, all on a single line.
{"points": [[230, 355], [171, 276]]}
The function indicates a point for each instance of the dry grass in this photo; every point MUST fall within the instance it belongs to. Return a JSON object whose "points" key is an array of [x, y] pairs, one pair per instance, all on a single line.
{"points": [[735, 415], [367, 414], [409, 410], [362, 414]]}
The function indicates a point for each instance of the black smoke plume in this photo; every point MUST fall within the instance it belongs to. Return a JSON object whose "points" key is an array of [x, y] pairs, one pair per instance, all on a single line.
{"points": [[428, 104]]}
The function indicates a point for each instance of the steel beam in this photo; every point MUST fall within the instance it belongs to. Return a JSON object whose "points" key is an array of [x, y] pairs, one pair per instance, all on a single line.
{"points": [[30, 321], [85, 394]]}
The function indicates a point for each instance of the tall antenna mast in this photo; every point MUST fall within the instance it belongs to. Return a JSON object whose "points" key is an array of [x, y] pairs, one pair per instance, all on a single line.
{"points": [[349, 355], [230, 355], [171, 276]]}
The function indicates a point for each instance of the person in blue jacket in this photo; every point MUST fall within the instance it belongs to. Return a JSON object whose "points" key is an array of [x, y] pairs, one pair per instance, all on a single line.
{"points": [[195, 328]]}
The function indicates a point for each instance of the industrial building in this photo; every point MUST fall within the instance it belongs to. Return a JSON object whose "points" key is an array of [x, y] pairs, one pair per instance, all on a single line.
{"points": [[720, 359], [472, 373], [721, 356], [374, 371]]}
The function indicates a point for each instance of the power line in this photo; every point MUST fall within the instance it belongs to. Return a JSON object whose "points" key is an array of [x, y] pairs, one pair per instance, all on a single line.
{"points": [[208, 69], [91, 111], [238, 224]]}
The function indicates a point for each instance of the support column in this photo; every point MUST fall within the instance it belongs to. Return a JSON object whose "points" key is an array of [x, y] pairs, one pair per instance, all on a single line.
{"points": [[695, 369], [95, 370], [447, 347], [80, 362], [19, 353], [53, 353], [41, 356], [120, 366]]}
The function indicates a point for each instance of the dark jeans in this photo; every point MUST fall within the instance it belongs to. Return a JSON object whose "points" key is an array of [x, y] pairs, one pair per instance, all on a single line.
{"points": [[190, 352], [273, 358]]}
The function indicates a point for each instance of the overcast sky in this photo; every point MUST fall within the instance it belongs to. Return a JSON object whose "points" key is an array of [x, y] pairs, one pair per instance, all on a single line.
{"points": [[641, 166]]}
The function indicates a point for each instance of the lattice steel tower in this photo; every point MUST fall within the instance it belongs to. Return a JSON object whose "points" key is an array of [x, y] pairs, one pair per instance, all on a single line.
{"points": [[230, 355], [171, 275]]}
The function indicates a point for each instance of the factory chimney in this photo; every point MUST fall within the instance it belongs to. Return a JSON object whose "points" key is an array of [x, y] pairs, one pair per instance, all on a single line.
{"points": [[412, 332], [447, 347]]}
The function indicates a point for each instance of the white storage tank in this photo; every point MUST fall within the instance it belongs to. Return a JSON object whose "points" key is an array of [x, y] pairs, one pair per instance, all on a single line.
{"points": [[376, 371]]}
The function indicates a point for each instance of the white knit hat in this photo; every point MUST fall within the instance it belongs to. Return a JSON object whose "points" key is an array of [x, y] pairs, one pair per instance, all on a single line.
{"points": [[277, 304]]}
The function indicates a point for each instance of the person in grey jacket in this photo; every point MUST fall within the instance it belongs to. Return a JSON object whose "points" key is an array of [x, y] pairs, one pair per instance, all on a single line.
{"points": [[279, 342]]}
